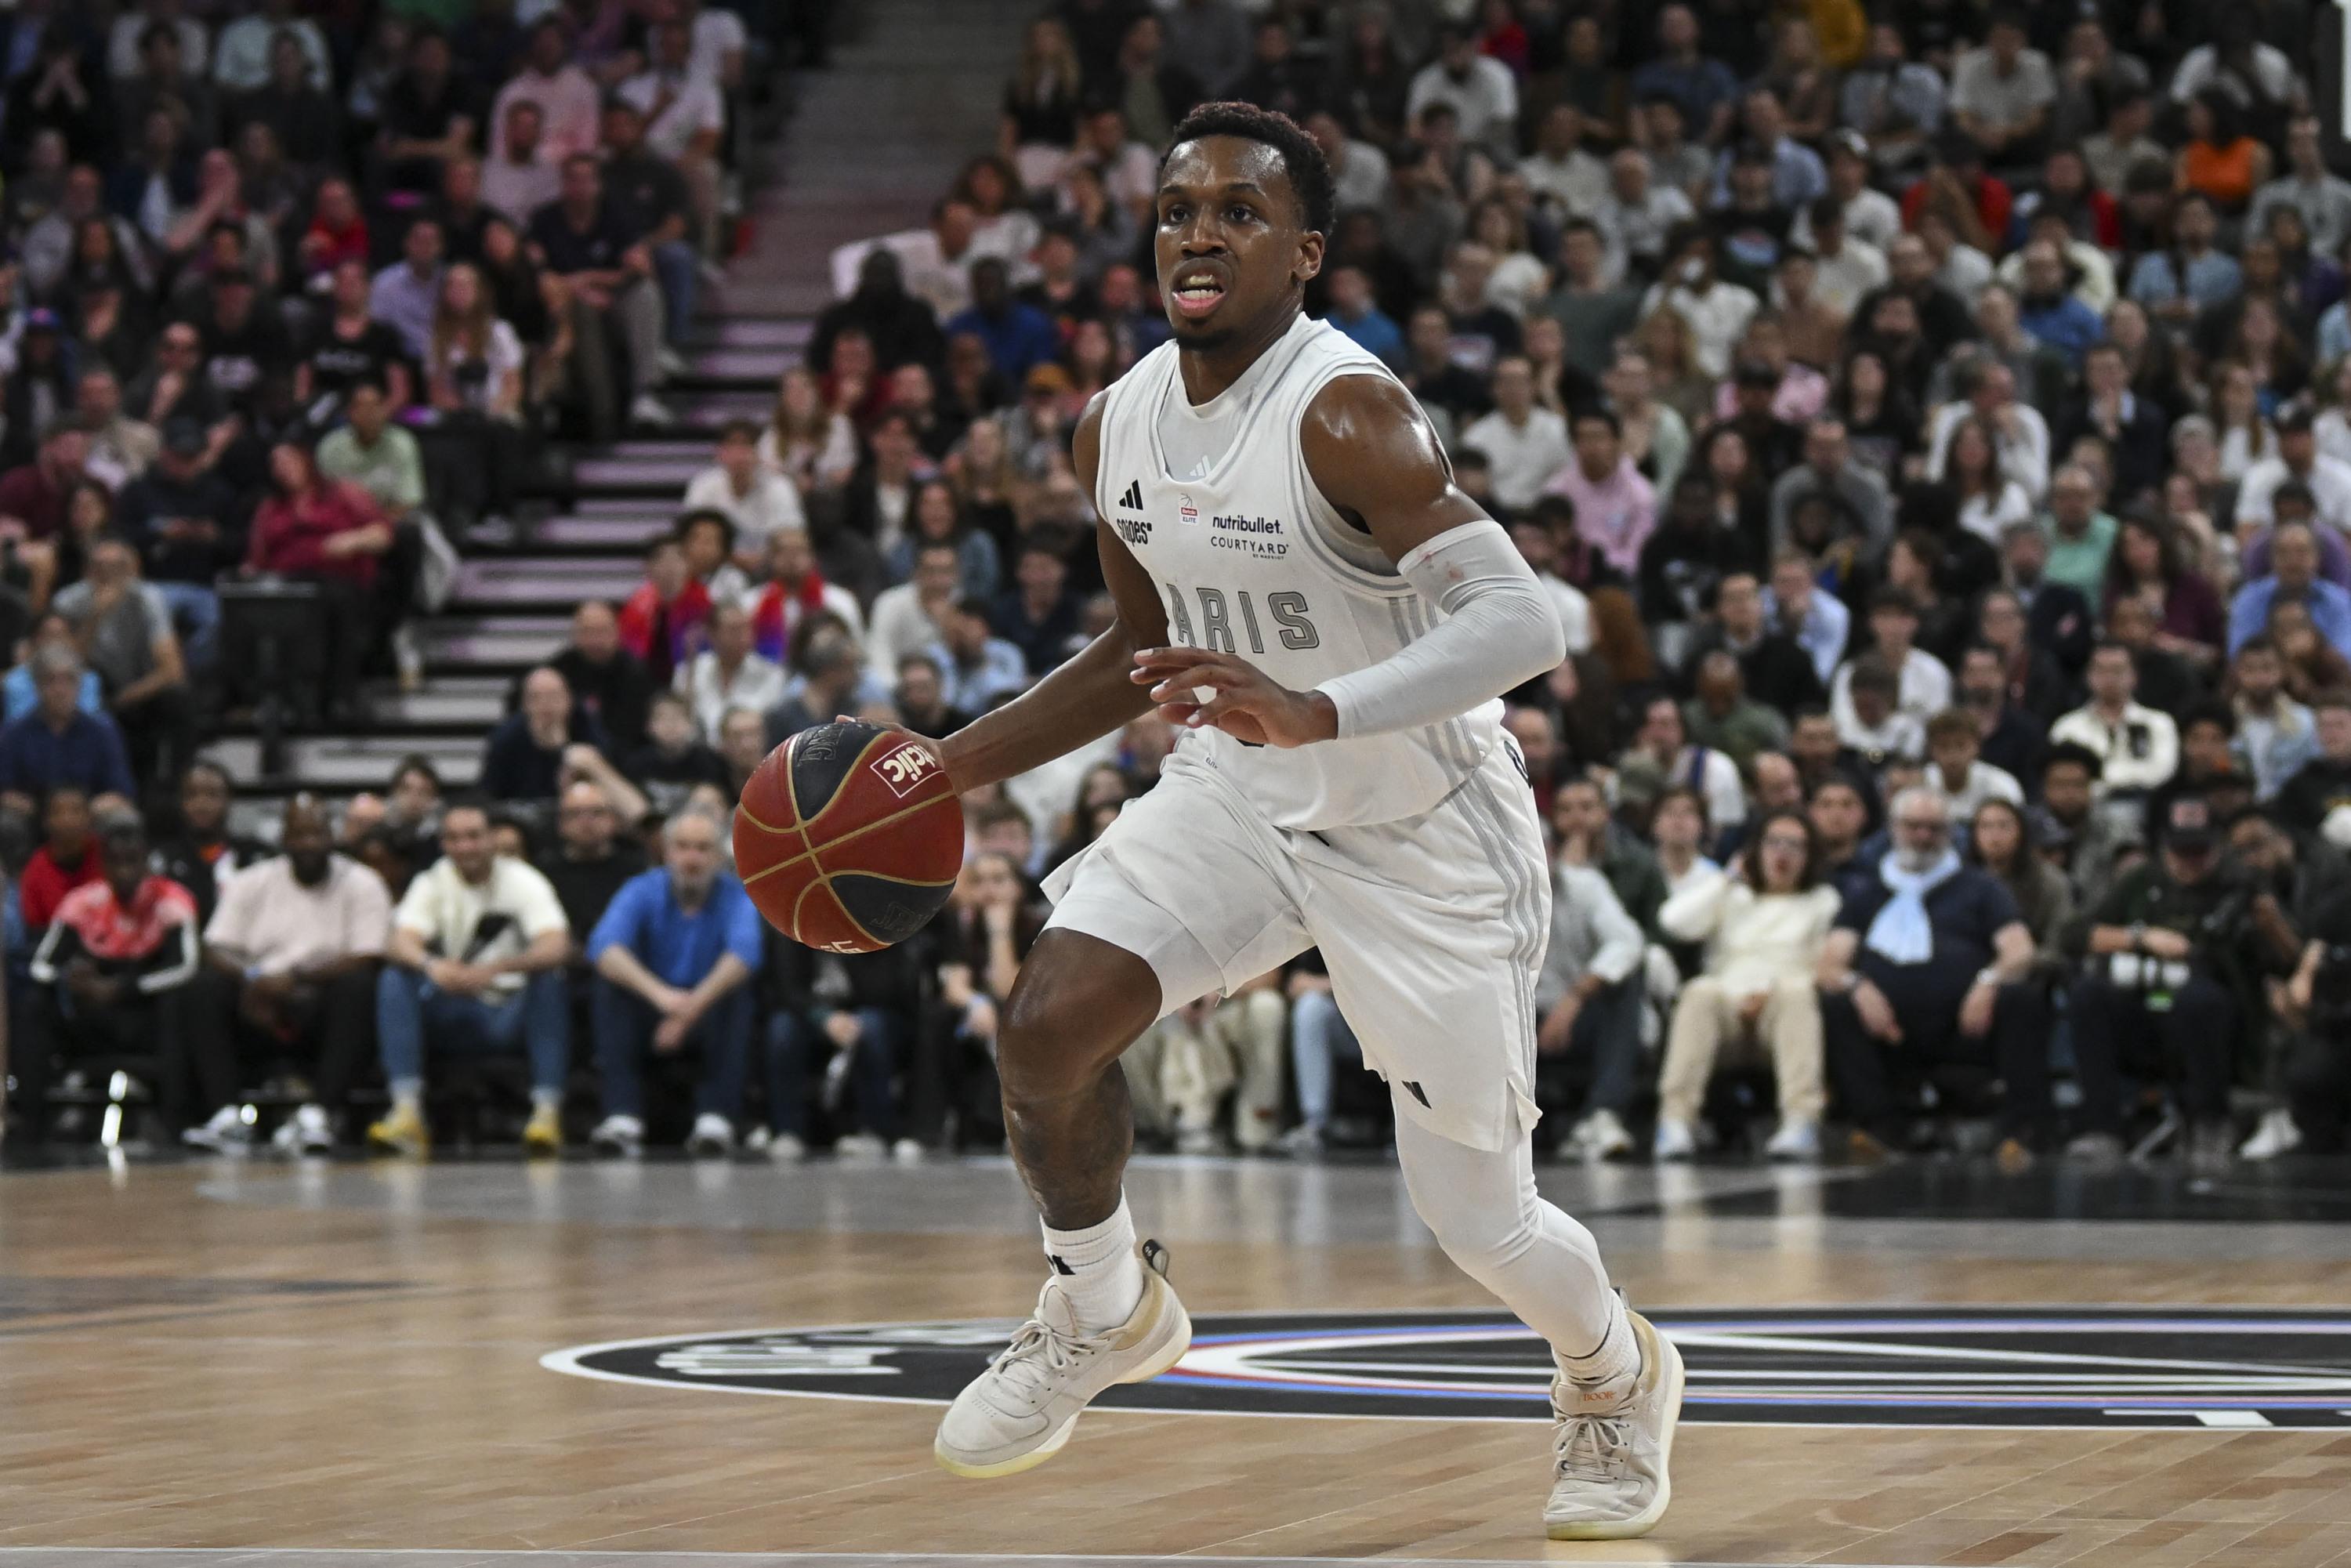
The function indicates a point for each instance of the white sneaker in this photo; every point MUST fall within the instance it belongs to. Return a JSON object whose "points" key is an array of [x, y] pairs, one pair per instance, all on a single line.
{"points": [[306, 1132], [671, 363], [1303, 1142], [907, 1152], [1020, 1411], [2276, 1135], [225, 1133], [619, 1136], [407, 657], [859, 1147], [1796, 1143], [1608, 1464], [785, 1149], [650, 410], [1600, 1137], [1675, 1142], [713, 1137], [1199, 1141]]}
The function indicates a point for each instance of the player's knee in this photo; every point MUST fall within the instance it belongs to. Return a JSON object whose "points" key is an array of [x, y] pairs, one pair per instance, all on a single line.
{"points": [[1482, 1240], [1069, 1017]]}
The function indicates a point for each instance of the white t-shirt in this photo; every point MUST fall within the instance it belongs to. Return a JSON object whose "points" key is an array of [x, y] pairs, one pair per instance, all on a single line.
{"points": [[717, 35], [500, 362], [773, 503], [481, 925], [1521, 458], [675, 111]]}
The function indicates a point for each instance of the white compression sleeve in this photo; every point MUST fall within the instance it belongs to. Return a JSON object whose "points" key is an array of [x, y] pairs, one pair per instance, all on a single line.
{"points": [[1500, 630]]}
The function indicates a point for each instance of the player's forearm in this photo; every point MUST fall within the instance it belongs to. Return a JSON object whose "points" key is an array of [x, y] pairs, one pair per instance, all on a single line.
{"points": [[1086, 698]]}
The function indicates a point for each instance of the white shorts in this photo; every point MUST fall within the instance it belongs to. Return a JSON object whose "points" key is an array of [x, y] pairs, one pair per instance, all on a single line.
{"points": [[1432, 927]]}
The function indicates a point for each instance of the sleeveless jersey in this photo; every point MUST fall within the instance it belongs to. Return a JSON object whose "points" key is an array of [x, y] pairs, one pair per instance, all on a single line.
{"points": [[1249, 558]]}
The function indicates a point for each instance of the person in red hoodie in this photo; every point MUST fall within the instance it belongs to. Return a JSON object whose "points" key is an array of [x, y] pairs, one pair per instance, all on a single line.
{"points": [[68, 857], [315, 529], [664, 623]]}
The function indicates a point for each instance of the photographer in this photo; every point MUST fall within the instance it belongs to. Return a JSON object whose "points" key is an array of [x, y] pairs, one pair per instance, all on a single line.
{"points": [[2169, 948]]}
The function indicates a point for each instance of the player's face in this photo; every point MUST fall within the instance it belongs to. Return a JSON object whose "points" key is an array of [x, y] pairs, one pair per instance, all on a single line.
{"points": [[1231, 244]]}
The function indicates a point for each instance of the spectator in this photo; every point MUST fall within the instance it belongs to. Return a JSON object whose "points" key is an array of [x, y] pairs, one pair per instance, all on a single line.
{"points": [[1615, 506], [1925, 681], [1716, 311], [58, 744], [1587, 999], [1957, 771], [110, 975], [673, 761], [2297, 460], [1702, 89], [1922, 974], [1039, 615], [1816, 622], [2322, 198], [914, 615], [475, 958], [205, 852], [1829, 469], [795, 594], [674, 954], [1019, 337], [860, 1007], [406, 294], [291, 955], [976, 668], [2292, 580], [518, 177], [608, 682], [729, 674], [1663, 754], [566, 96], [920, 696], [477, 380], [830, 668], [525, 757], [1479, 89], [314, 529], [1722, 716], [665, 179], [1525, 445], [1871, 723], [2312, 797], [2001, 92], [591, 859], [1589, 836], [756, 498], [593, 246], [664, 623], [1776, 672], [2137, 747], [2168, 955], [1764, 924], [2278, 734], [2008, 737]]}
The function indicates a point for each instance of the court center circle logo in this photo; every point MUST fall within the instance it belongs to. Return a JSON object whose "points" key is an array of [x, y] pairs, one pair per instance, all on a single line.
{"points": [[2101, 1367]]}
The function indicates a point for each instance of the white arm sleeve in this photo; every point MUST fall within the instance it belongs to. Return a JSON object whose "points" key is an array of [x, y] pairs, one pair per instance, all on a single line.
{"points": [[1500, 631]]}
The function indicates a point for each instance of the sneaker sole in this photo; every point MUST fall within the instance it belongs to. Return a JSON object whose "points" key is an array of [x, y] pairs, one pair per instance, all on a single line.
{"points": [[1059, 1436], [1646, 1519]]}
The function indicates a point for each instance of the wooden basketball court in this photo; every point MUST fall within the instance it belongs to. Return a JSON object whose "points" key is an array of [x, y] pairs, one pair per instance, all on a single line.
{"points": [[362, 1364]]}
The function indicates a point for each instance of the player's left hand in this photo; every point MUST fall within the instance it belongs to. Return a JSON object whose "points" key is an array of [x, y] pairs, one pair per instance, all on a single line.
{"points": [[1244, 701]]}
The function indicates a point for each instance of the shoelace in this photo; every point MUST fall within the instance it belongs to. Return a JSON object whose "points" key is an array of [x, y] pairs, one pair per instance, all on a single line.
{"points": [[1587, 1444], [1039, 1353]]}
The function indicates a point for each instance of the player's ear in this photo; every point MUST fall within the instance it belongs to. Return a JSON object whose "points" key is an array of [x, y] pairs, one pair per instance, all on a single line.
{"points": [[1310, 258]]}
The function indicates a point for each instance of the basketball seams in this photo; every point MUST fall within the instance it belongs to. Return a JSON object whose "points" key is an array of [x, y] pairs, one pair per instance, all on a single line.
{"points": [[899, 815]]}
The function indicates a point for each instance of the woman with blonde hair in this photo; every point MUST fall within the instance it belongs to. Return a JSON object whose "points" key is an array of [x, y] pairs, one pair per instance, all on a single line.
{"points": [[1040, 103], [1675, 378], [814, 446], [1518, 279], [475, 373]]}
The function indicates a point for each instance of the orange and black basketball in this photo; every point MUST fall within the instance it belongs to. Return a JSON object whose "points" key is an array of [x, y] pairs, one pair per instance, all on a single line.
{"points": [[849, 837]]}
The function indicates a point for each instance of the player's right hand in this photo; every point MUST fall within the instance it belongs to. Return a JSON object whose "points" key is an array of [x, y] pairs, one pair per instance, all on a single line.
{"points": [[1243, 701]]}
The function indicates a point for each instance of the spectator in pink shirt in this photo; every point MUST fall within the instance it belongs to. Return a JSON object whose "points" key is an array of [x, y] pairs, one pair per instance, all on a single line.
{"points": [[568, 104], [1615, 506]]}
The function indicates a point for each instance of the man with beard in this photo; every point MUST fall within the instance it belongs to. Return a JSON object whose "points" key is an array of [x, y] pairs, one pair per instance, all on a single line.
{"points": [[1924, 974], [590, 859], [290, 967]]}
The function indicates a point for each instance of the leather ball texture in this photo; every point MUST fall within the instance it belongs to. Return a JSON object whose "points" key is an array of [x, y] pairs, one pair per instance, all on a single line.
{"points": [[848, 837]]}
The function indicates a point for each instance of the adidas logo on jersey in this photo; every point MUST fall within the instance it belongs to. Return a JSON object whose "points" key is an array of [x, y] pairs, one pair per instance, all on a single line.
{"points": [[1132, 500]]}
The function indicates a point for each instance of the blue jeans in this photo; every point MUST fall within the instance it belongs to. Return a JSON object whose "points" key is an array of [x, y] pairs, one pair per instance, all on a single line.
{"points": [[408, 1008], [791, 1036], [623, 1024], [1319, 1040], [196, 616], [677, 271]]}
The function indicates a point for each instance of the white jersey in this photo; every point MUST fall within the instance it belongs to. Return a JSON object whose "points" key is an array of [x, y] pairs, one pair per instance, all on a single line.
{"points": [[1250, 558]]}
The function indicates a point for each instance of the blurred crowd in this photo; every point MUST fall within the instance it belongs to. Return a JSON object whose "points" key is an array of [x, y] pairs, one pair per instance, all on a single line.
{"points": [[1930, 419]]}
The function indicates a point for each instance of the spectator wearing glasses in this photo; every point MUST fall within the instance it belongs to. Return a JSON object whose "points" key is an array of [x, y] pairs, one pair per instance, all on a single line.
{"points": [[1763, 923], [1921, 982]]}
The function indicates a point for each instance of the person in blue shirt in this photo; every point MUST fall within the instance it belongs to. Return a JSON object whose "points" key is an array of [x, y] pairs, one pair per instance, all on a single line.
{"points": [[57, 743], [976, 668], [18, 695], [1354, 312], [672, 954], [2293, 578], [1019, 337], [2051, 311]]}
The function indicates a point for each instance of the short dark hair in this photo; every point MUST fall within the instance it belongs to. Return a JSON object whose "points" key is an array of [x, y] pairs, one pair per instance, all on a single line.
{"points": [[2072, 754], [1302, 155], [1600, 411], [711, 515]]}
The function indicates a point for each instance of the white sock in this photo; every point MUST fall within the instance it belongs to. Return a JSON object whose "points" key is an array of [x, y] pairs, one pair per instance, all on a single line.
{"points": [[1100, 1272], [1615, 1359], [408, 1094], [547, 1099]]}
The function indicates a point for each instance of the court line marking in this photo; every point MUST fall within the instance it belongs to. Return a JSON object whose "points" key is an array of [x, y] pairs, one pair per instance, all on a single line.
{"points": [[251, 1553], [567, 1360]]}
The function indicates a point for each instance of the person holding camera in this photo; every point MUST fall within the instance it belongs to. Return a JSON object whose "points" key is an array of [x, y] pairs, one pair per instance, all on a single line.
{"points": [[2161, 993]]}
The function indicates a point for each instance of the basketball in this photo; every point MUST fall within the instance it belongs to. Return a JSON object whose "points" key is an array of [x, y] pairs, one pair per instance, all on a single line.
{"points": [[849, 837]]}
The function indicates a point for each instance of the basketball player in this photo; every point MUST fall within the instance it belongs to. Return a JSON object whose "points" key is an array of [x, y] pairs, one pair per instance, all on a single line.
{"points": [[1303, 590]]}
